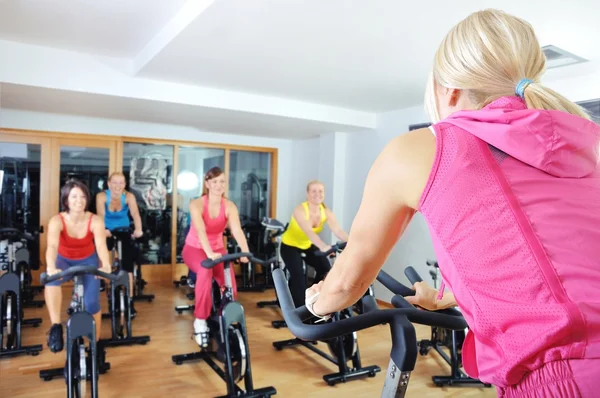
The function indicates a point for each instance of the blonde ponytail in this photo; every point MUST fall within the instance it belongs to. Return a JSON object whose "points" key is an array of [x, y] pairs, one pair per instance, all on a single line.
{"points": [[486, 55], [537, 96]]}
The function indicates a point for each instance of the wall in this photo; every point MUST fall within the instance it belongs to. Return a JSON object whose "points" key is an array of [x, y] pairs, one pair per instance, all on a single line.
{"points": [[100, 126]]}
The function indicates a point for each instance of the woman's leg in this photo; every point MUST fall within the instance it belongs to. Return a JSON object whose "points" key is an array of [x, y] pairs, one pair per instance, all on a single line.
{"points": [[127, 256], [193, 258], [91, 292], [219, 275], [127, 259], [53, 297], [293, 262]]}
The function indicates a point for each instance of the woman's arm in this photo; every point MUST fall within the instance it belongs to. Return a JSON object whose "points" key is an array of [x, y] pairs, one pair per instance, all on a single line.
{"points": [[235, 226], [135, 214], [299, 214], [100, 241], [54, 228], [196, 209], [392, 192], [335, 227]]}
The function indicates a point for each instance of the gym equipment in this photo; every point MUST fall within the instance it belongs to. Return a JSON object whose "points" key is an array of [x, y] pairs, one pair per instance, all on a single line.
{"points": [[11, 297], [16, 259], [80, 324], [403, 355], [273, 231], [248, 271], [138, 281], [442, 338], [119, 298], [232, 349], [341, 348]]}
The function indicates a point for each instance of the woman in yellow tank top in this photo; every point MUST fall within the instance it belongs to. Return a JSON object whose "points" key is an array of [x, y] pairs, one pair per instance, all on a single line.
{"points": [[301, 236]]}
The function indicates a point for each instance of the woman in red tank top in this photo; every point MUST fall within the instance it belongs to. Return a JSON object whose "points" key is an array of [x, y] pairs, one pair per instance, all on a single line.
{"points": [[74, 237], [210, 214]]}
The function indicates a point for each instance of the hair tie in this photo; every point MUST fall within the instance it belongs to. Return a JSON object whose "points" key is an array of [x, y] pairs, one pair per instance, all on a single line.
{"points": [[521, 86]]}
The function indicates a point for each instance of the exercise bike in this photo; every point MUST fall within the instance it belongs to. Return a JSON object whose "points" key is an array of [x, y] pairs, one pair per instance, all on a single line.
{"points": [[440, 337], [119, 298], [11, 297], [17, 259], [81, 363], [403, 355], [341, 348], [138, 281], [228, 333]]}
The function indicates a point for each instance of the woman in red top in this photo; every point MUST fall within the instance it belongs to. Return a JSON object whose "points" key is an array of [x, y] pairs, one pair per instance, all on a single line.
{"points": [[210, 214], [74, 237]]}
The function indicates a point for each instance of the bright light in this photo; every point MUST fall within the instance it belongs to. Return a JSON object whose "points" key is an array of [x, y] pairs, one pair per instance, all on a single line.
{"points": [[187, 181]]}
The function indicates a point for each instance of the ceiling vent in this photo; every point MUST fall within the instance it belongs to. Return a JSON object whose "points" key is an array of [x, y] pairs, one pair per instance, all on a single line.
{"points": [[557, 57]]}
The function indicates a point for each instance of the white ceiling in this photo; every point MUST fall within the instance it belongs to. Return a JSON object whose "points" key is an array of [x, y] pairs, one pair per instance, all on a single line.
{"points": [[362, 55], [118, 28], [370, 55]]}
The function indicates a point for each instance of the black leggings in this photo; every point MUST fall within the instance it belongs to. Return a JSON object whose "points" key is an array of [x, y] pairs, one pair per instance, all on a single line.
{"points": [[293, 262], [128, 252]]}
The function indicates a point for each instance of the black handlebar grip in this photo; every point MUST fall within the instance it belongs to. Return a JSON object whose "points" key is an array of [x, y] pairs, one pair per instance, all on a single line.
{"points": [[412, 275]]}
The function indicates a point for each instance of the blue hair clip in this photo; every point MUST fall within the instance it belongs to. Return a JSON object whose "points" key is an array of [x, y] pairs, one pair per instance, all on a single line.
{"points": [[521, 85]]}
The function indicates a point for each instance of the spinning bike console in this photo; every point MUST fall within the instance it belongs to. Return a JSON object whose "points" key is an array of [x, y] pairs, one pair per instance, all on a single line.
{"points": [[232, 350], [403, 355], [81, 324]]}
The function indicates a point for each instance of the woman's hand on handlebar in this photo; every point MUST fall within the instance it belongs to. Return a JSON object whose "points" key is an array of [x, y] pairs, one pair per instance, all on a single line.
{"points": [[425, 297], [213, 256], [324, 248], [51, 271], [314, 289], [244, 259], [108, 234], [138, 233]]}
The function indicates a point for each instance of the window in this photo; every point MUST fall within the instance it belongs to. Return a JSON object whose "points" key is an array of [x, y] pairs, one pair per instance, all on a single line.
{"points": [[148, 170], [250, 190], [193, 163]]}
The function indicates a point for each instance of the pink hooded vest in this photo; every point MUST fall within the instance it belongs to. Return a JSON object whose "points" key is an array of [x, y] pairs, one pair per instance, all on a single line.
{"points": [[513, 207]]}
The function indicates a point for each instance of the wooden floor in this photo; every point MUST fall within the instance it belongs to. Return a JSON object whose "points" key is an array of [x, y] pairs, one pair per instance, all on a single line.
{"points": [[147, 371]]}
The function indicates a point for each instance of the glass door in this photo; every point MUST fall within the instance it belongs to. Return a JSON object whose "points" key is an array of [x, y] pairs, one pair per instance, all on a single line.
{"points": [[90, 161], [24, 176]]}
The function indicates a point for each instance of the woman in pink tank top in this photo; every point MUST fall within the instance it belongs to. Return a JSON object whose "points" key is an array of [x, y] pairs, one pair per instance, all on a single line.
{"points": [[210, 214], [508, 181]]}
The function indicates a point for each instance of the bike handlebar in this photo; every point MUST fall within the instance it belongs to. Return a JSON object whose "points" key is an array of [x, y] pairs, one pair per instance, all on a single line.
{"points": [[79, 270], [338, 247], [208, 263], [294, 317]]}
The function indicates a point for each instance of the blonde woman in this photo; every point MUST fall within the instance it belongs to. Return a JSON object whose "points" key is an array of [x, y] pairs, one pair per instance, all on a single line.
{"points": [[114, 206], [508, 181], [301, 237]]}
